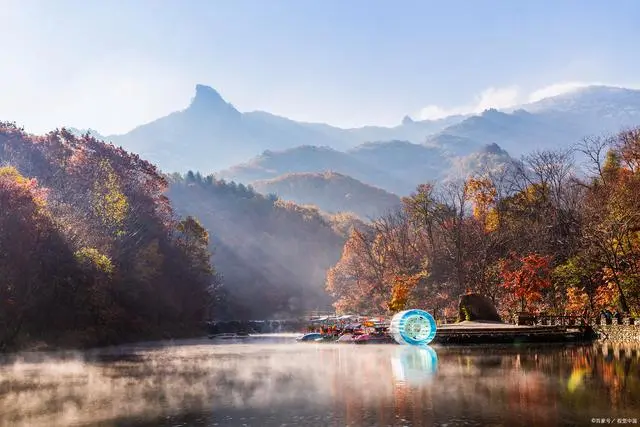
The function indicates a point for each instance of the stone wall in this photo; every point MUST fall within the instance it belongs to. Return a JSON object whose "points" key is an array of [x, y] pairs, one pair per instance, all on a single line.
{"points": [[618, 329], [619, 332], [612, 328]]}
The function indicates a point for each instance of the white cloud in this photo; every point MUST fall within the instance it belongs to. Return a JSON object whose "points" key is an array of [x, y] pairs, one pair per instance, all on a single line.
{"points": [[497, 98], [489, 98], [507, 97]]}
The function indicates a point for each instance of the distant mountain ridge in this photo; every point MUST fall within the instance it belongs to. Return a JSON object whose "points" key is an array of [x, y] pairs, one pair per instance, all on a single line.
{"points": [[331, 192], [395, 166], [312, 159], [212, 136], [557, 121], [597, 98]]}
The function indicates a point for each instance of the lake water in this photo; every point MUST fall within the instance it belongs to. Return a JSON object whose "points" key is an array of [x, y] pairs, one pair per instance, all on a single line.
{"points": [[273, 381]]}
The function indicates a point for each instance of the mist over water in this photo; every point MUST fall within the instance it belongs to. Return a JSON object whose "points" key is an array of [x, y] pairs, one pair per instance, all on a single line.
{"points": [[272, 380]]}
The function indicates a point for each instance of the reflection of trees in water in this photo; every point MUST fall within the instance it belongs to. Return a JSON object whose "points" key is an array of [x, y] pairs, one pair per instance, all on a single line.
{"points": [[615, 367], [545, 385], [357, 385], [380, 385], [600, 377]]}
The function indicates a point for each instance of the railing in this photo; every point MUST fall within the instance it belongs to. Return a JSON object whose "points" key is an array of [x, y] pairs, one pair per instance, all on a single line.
{"points": [[555, 320], [618, 320], [531, 319], [548, 320]]}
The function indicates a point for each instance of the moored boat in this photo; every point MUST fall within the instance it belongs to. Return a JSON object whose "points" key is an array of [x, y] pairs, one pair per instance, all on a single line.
{"points": [[229, 336], [313, 336]]}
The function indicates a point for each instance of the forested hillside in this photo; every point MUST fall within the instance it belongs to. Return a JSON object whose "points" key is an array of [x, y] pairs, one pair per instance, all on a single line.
{"points": [[272, 255], [536, 235], [312, 159], [331, 192], [90, 249]]}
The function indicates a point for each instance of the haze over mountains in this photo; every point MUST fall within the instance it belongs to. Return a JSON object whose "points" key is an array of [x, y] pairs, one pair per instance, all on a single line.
{"points": [[223, 136], [332, 192], [212, 136], [273, 255]]}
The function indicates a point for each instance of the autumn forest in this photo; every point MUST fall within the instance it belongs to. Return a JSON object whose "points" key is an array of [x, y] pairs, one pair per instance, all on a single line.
{"points": [[97, 246], [91, 252], [556, 232]]}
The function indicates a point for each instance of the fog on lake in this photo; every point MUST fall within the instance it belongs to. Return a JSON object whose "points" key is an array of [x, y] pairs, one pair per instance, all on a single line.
{"points": [[272, 380]]}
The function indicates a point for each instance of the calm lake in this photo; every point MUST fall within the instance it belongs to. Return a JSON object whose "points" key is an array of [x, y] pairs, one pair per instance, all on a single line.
{"points": [[274, 381]]}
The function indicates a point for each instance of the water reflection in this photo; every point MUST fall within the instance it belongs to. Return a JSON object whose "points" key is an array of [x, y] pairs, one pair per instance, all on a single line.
{"points": [[263, 383], [414, 365]]}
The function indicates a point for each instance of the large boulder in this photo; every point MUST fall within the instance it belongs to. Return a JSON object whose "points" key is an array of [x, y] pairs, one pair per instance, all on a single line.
{"points": [[477, 307]]}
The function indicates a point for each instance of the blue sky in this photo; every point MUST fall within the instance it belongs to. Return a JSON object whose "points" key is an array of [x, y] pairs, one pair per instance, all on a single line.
{"points": [[114, 64]]}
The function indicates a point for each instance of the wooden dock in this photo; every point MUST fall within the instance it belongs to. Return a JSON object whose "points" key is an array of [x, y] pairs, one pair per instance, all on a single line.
{"points": [[468, 332]]}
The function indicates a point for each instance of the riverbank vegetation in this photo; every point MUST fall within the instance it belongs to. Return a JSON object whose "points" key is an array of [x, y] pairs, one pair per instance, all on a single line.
{"points": [[91, 252], [536, 235]]}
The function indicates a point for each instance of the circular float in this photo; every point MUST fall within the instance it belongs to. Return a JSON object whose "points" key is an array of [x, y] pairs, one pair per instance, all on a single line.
{"points": [[413, 327]]}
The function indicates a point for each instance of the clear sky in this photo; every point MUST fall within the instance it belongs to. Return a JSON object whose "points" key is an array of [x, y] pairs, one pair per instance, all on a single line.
{"points": [[111, 65]]}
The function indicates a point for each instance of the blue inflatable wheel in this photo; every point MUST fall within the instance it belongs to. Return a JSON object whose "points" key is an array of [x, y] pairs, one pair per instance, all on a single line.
{"points": [[413, 327]]}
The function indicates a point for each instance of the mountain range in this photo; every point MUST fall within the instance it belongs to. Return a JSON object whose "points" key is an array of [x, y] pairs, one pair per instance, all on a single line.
{"points": [[211, 136]]}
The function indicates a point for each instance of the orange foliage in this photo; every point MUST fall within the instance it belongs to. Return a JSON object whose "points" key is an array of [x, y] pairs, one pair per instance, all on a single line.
{"points": [[483, 194], [403, 284], [577, 301], [605, 297], [14, 184], [357, 281]]}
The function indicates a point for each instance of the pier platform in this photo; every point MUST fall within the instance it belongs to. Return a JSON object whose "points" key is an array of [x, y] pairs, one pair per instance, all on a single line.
{"points": [[475, 332]]}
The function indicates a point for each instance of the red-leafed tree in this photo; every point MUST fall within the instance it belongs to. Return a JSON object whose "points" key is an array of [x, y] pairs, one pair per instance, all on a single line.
{"points": [[524, 278]]}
